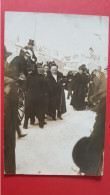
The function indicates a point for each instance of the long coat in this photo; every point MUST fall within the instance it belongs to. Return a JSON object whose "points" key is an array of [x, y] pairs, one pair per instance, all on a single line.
{"points": [[80, 91], [10, 118], [57, 96], [37, 95]]}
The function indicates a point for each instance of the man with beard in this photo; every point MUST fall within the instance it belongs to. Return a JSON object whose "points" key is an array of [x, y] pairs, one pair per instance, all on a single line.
{"points": [[57, 96], [81, 80], [37, 96]]}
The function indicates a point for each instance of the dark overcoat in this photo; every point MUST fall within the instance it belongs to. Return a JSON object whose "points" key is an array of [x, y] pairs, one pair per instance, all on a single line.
{"points": [[57, 96], [37, 95], [80, 91]]}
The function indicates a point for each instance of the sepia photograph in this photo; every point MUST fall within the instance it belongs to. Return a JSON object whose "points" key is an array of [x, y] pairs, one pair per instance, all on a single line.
{"points": [[55, 87]]}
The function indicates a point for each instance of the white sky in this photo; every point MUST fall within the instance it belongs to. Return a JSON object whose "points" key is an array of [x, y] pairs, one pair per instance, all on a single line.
{"points": [[67, 33]]}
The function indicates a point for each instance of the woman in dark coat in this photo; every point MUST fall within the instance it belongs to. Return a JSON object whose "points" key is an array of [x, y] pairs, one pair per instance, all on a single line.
{"points": [[80, 89]]}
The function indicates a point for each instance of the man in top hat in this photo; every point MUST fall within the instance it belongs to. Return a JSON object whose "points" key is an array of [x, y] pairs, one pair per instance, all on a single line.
{"points": [[30, 47], [31, 64]]}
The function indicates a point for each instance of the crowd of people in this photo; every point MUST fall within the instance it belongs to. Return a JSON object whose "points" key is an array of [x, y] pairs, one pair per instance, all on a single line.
{"points": [[43, 87]]}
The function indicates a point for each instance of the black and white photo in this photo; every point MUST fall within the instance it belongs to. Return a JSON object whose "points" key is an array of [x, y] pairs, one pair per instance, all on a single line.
{"points": [[55, 85]]}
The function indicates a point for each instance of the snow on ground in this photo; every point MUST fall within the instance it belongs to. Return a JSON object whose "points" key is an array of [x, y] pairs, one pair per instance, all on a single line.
{"points": [[48, 151]]}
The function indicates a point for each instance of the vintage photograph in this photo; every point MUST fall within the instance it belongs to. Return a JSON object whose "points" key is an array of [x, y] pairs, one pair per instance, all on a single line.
{"points": [[55, 85]]}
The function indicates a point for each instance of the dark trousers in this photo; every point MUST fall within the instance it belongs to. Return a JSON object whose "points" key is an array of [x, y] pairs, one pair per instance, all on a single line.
{"points": [[69, 94], [9, 157]]}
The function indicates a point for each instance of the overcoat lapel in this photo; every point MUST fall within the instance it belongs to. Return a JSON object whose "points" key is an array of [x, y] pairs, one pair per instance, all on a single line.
{"points": [[53, 79]]}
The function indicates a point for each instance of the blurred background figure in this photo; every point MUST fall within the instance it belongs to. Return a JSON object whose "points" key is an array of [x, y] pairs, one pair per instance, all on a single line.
{"points": [[88, 151], [10, 117], [80, 91], [69, 84], [6, 55]]}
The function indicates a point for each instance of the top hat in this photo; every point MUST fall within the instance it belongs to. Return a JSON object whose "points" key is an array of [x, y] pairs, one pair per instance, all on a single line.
{"points": [[6, 53], [31, 42]]}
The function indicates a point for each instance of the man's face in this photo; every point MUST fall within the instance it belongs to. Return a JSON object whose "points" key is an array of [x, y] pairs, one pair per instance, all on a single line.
{"points": [[46, 69], [40, 70], [31, 47], [26, 57], [54, 70]]}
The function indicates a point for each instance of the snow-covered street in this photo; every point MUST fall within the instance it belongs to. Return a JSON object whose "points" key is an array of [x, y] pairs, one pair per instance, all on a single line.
{"points": [[48, 151]]}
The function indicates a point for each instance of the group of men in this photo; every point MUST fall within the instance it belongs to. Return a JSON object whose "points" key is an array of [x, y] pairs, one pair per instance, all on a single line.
{"points": [[44, 95], [43, 87]]}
